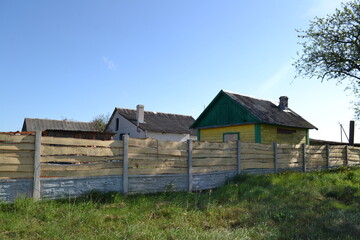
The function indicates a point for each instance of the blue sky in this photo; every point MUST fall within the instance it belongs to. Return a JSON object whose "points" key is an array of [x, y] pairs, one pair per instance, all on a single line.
{"points": [[79, 59]]}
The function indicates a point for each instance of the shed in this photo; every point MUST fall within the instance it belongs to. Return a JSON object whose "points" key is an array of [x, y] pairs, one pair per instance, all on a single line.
{"points": [[232, 116], [65, 128]]}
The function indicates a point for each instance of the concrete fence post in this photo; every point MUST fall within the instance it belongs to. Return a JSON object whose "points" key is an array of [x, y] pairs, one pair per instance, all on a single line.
{"points": [[346, 162], [37, 159], [275, 157], [303, 146], [190, 176], [126, 164], [238, 156], [327, 156]]}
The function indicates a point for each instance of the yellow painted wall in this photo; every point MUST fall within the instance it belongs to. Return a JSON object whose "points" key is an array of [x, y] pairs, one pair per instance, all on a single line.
{"points": [[269, 134], [247, 133]]}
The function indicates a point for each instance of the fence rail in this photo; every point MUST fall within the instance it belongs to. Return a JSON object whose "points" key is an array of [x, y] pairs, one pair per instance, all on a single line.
{"points": [[68, 157]]}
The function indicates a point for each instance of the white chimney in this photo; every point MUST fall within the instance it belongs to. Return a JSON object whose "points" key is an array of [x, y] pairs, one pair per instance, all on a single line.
{"points": [[283, 104], [140, 114]]}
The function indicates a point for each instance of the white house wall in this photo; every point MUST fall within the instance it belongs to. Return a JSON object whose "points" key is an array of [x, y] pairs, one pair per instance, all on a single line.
{"points": [[125, 127]]}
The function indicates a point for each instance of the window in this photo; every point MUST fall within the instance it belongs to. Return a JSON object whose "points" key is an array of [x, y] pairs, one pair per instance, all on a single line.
{"points": [[285, 131], [230, 137], [117, 124]]}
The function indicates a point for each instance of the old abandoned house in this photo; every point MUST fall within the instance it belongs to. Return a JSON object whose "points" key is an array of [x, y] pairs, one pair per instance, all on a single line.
{"points": [[146, 124], [231, 116]]}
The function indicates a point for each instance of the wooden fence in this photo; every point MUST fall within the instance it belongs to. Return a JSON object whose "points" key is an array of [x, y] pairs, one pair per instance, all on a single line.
{"points": [[36, 157]]}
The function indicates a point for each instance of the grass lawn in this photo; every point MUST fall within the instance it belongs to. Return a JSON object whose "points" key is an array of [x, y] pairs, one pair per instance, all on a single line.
{"points": [[318, 205]]}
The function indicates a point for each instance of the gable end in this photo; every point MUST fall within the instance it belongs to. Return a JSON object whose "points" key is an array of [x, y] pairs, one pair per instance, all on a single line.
{"points": [[223, 110]]}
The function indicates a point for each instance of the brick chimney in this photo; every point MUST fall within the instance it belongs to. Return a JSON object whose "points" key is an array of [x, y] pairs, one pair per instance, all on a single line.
{"points": [[283, 104], [140, 114]]}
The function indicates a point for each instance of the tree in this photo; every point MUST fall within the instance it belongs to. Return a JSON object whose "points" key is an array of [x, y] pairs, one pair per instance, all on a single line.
{"points": [[100, 122], [331, 49]]}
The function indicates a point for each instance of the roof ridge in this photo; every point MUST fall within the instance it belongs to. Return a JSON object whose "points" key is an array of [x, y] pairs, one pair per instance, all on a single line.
{"points": [[46, 119], [146, 111], [248, 96]]}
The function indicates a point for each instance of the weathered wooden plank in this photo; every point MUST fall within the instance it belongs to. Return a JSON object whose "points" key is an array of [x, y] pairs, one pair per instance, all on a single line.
{"points": [[172, 145], [17, 157], [353, 152], [287, 155], [79, 159], [16, 168], [322, 153], [80, 167], [257, 146], [336, 155], [213, 169], [214, 162], [215, 155], [353, 148], [17, 138], [289, 160], [89, 151], [254, 165], [289, 146], [255, 151], [290, 165], [339, 147], [157, 171], [96, 172], [12, 175], [17, 160], [323, 162], [219, 151], [82, 142], [257, 156], [336, 151], [172, 152], [144, 143], [213, 146], [354, 157], [316, 158], [156, 163], [17, 146], [151, 157], [20, 154], [316, 147], [157, 151], [353, 161], [336, 162], [310, 165], [263, 160], [288, 151]]}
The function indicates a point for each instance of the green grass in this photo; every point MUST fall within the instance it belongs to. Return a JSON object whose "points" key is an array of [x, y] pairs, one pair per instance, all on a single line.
{"points": [[318, 205]]}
